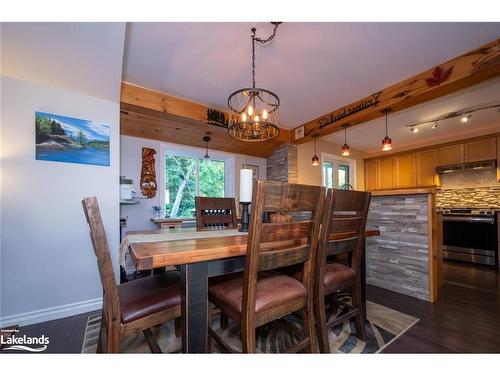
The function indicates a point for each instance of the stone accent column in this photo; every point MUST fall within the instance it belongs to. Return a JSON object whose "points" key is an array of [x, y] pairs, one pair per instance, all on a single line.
{"points": [[282, 164], [398, 259]]}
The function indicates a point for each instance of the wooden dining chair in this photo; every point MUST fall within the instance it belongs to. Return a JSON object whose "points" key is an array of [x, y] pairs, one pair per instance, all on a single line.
{"points": [[134, 306], [215, 213], [342, 232], [260, 295]]}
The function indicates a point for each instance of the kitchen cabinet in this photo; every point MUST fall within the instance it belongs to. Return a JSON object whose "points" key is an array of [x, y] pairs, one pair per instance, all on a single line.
{"points": [[498, 161], [425, 164], [386, 180], [371, 175], [480, 150], [417, 169], [404, 173], [449, 155]]}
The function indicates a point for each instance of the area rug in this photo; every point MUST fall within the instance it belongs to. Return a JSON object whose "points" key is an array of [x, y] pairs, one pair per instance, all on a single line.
{"points": [[383, 326]]}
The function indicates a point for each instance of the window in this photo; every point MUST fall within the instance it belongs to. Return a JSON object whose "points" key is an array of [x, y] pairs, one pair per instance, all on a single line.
{"points": [[187, 177], [328, 175], [338, 172]]}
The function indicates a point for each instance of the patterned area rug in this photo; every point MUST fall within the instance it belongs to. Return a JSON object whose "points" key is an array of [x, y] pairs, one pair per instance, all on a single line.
{"points": [[384, 325]]}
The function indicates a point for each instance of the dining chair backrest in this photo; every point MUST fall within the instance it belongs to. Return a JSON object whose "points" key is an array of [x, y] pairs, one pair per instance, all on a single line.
{"points": [[215, 213], [291, 236], [104, 264], [343, 227]]}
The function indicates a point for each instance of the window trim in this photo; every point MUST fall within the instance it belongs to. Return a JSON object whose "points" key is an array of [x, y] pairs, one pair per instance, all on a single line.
{"points": [[335, 160]]}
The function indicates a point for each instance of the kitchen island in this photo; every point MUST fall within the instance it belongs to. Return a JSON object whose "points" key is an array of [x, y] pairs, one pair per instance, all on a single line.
{"points": [[404, 257]]}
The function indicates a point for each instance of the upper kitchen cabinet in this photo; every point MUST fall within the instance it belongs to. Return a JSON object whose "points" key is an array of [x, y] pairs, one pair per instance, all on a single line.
{"points": [[425, 167], [405, 170], [449, 155], [371, 175], [417, 169], [480, 150], [386, 173]]}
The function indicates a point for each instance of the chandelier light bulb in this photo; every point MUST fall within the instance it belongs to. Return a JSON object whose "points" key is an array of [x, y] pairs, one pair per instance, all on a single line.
{"points": [[250, 110], [243, 117], [466, 117], [256, 118], [264, 114]]}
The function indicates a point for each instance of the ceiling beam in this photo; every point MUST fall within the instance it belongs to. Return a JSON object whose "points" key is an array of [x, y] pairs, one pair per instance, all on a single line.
{"points": [[154, 115], [463, 71]]}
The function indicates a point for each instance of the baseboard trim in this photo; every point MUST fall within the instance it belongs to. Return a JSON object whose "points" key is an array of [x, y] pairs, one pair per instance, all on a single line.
{"points": [[51, 313]]}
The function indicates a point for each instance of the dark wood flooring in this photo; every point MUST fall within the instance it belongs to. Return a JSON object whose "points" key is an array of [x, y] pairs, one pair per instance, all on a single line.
{"points": [[465, 319]]}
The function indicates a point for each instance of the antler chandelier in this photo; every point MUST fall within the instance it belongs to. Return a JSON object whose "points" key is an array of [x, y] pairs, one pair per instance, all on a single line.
{"points": [[254, 111]]}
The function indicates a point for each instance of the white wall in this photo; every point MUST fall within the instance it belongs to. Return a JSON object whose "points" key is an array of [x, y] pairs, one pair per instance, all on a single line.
{"points": [[48, 268], [47, 256], [138, 216]]}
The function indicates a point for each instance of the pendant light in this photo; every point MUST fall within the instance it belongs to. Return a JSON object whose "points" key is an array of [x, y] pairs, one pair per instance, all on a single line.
{"points": [[386, 142], [207, 140], [254, 111], [315, 159], [346, 150]]}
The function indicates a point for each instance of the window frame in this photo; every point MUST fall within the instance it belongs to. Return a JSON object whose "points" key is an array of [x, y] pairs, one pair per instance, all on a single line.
{"points": [[336, 161], [170, 149]]}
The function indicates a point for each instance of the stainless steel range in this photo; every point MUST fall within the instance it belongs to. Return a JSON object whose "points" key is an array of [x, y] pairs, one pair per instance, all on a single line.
{"points": [[470, 235]]}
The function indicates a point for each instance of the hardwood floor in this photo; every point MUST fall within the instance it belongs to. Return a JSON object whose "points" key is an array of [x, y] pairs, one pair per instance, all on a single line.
{"points": [[465, 319]]}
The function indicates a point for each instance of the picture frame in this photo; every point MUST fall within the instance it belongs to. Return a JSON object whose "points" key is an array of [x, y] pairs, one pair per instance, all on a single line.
{"points": [[254, 168]]}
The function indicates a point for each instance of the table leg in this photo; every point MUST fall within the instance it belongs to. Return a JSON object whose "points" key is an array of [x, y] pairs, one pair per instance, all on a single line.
{"points": [[363, 279], [194, 287]]}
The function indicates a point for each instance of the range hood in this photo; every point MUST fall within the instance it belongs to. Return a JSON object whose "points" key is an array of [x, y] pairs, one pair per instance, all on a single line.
{"points": [[479, 165]]}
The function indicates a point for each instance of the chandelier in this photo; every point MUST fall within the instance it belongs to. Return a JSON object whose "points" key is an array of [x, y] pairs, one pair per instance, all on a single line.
{"points": [[254, 112]]}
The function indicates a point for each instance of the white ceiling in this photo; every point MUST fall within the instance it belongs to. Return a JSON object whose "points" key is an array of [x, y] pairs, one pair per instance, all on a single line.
{"points": [[83, 57], [368, 136], [313, 67]]}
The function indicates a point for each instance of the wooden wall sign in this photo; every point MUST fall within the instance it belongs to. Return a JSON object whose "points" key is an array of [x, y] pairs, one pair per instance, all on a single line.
{"points": [[217, 118], [463, 71], [148, 173], [359, 106]]}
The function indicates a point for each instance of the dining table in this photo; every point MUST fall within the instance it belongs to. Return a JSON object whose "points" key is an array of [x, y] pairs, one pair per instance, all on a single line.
{"points": [[206, 255]]}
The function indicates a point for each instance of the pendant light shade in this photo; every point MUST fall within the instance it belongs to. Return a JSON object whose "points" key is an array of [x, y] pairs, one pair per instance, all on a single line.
{"points": [[315, 159], [386, 142], [207, 140], [346, 150]]}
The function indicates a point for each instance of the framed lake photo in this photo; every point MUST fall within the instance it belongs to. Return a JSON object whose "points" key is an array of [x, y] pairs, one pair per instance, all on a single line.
{"points": [[71, 140]]}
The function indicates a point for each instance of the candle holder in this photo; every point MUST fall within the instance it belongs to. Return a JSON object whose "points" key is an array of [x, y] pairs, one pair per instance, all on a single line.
{"points": [[245, 217]]}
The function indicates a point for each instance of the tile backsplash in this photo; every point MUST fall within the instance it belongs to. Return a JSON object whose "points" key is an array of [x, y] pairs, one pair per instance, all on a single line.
{"points": [[470, 188]]}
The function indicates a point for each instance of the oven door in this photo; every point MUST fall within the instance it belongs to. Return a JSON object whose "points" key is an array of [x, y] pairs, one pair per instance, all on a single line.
{"points": [[470, 239]]}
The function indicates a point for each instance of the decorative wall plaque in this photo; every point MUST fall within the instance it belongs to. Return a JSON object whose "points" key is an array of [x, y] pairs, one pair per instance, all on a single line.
{"points": [[148, 173]]}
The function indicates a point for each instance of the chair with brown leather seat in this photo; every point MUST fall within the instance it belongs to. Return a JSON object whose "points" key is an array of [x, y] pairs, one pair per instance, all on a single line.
{"points": [[215, 213], [260, 295], [342, 232], [134, 306]]}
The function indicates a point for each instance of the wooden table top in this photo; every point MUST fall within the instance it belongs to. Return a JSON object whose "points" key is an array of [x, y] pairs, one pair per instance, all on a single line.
{"points": [[148, 255]]}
